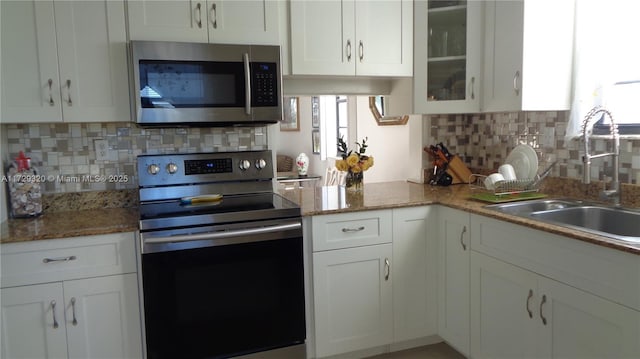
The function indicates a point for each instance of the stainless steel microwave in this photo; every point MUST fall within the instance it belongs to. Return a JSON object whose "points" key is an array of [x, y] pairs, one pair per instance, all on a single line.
{"points": [[196, 84]]}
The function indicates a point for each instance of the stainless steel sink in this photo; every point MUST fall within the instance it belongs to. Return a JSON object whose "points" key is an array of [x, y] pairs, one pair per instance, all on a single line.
{"points": [[527, 207], [617, 223], [612, 222]]}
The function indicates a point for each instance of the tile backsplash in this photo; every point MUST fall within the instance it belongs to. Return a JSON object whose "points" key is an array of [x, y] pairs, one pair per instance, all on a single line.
{"points": [[485, 140], [65, 153]]}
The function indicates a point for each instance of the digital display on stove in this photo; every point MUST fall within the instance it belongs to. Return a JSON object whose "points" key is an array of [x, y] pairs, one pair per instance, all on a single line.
{"points": [[218, 165]]}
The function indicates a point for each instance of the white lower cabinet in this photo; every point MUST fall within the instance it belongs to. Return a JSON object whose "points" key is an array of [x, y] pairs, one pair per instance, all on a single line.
{"points": [[529, 298], [516, 313], [453, 281], [59, 316], [373, 278], [415, 310], [353, 304]]}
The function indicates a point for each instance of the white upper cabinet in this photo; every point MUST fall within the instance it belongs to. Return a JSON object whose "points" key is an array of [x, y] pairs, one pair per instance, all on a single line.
{"points": [[64, 61], [528, 55], [247, 21], [448, 56], [346, 38]]}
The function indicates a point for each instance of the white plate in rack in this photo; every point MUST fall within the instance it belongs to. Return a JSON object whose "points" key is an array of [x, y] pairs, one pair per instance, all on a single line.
{"points": [[524, 160]]}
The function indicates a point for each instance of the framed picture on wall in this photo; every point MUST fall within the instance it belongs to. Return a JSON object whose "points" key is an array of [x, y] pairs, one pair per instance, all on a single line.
{"points": [[315, 141], [315, 111], [291, 121]]}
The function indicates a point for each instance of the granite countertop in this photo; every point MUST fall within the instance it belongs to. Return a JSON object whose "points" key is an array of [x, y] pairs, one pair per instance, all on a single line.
{"points": [[70, 224], [312, 201], [326, 200]]}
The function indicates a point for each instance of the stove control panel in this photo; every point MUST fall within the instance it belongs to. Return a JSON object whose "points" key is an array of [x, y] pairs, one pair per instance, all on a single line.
{"points": [[174, 169]]}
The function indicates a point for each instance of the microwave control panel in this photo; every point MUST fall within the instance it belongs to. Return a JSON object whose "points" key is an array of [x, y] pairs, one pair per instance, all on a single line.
{"points": [[265, 84]]}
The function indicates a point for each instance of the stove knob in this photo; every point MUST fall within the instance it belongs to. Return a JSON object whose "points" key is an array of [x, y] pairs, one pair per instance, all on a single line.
{"points": [[260, 164], [172, 168], [245, 165], [153, 169]]}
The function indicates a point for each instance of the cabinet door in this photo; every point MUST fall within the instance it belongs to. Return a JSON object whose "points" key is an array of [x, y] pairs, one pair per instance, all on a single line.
{"points": [[33, 322], [352, 299], [503, 55], [30, 85], [448, 57], [384, 34], [107, 317], [323, 37], [247, 21], [93, 60], [168, 20], [503, 304], [414, 273], [453, 282], [581, 325]]}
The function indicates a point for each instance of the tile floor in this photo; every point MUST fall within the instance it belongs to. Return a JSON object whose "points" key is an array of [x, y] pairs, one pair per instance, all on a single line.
{"points": [[435, 351]]}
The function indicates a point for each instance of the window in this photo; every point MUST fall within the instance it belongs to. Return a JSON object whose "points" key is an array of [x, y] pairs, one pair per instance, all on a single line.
{"points": [[606, 70], [334, 122], [342, 120]]}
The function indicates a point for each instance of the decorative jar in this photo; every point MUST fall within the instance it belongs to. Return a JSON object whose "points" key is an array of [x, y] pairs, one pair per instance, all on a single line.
{"points": [[302, 164]]}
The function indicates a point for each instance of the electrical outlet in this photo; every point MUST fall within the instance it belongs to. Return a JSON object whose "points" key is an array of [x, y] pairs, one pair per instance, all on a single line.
{"points": [[102, 150]]}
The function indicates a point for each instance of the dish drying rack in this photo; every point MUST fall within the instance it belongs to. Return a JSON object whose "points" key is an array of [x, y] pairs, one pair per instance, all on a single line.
{"points": [[476, 183]]}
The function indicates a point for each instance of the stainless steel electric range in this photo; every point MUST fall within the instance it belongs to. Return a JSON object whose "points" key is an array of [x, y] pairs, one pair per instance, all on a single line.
{"points": [[221, 258]]}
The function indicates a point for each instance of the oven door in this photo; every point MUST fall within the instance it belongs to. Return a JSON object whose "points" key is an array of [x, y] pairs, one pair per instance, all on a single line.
{"points": [[223, 294]]}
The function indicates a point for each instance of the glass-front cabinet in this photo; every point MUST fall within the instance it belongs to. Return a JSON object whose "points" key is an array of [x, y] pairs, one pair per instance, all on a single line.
{"points": [[447, 56]]}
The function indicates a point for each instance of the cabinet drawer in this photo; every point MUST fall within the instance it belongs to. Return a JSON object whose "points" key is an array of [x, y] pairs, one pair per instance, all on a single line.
{"points": [[335, 231], [71, 258]]}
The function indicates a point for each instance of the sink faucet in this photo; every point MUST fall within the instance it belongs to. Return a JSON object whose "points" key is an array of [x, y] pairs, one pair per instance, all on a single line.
{"points": [[613, 192]]}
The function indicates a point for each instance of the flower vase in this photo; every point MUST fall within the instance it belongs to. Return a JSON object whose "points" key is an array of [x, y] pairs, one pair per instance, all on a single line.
{"points": [[353, 181]]}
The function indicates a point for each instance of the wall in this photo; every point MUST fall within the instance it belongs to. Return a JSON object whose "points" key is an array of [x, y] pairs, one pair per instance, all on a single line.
{"points": [[485, 140], [66, 151]]}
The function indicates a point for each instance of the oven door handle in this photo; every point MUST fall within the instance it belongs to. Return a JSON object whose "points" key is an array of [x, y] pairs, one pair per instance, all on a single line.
{"points": [[223, 234]]}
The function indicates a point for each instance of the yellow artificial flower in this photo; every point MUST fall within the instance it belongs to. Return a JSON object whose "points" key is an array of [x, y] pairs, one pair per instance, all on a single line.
{"points": [[341, 165], [353, 160]]}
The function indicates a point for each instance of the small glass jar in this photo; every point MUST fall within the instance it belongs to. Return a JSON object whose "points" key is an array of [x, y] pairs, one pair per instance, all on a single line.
{"points": [[24, 191]]}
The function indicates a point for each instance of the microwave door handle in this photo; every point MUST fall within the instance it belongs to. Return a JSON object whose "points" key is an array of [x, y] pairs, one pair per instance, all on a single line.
{"points": [[247, 84]]}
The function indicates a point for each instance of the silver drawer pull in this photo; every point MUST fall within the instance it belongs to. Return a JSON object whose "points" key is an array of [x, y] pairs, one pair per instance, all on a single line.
{"points": [[73, 310], [59, 259], [387, 269], [53, 311], [51, 102], [349, 230], [528, 299]]}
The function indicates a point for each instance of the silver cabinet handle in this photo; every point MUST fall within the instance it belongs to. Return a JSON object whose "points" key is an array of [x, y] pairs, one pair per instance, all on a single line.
{"points": [[59, 259], [53, 310], [473, 85], [544, 300], [199, 10], [516, 77], [387, 269], [349, 50], [69, 92], [361, 50], [73, 311], [529, 299], [247, 84], [50, 83], [349, 230], [214, 15], [464, 230]]}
